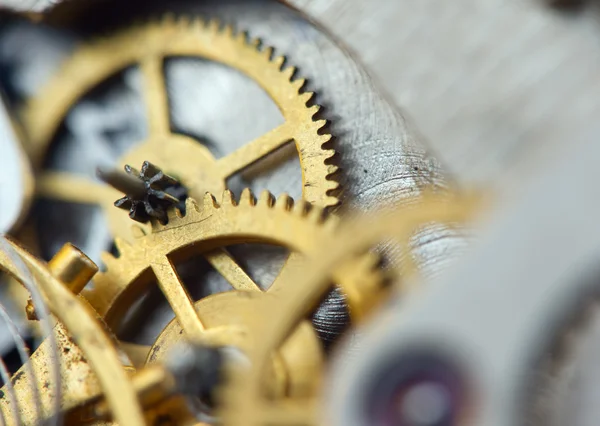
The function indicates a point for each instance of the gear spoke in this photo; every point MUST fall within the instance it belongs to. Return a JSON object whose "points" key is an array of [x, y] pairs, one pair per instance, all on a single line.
{"points": [[179, 299], [225, 264], [255, 150], [69, 187], [156, 100]]}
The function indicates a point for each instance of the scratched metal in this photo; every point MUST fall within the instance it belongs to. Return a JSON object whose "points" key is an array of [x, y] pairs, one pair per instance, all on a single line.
{"points": [[498, 87]]}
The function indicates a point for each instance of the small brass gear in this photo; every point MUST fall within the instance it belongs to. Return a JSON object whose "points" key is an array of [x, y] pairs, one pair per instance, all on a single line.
{"points": [[244, 399], [220, 319], [148, 45]]}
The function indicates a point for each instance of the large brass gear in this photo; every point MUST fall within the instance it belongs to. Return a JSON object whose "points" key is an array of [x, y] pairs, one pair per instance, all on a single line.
{"points": [[148, 45], [221, 319], [244, 400]]}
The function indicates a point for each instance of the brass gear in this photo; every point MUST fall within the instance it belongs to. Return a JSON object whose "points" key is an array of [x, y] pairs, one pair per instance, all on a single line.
{"points": [[148, 45], [243, 397], [221, 319]]}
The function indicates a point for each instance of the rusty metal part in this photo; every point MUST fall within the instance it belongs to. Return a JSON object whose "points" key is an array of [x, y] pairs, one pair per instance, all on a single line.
{"points": [[149, 192], [148, 45], [244, 397], [86, 330]]}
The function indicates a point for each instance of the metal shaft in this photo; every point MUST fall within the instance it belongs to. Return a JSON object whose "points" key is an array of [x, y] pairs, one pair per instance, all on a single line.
{"points": [[124, 182]]}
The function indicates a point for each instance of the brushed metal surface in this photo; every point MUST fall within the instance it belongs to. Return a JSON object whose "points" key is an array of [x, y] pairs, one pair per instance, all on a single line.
{"points": [[512, 310], [497, 87]]}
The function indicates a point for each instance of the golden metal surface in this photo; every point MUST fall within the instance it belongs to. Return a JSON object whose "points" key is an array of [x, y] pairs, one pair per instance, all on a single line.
{"points": [[245, 400], [148, 46], [73, 268], [89, 334], [220, 320], [153, 385], [78, 384], [226, 316]]}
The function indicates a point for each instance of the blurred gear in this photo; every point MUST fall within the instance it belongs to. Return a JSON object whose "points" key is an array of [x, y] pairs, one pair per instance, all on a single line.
{"points": [[149, 192], [245, 400], [149, 45], [221, 319]]}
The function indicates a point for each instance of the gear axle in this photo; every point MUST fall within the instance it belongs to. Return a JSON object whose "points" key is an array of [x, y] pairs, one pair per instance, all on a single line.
{"points": [[149, 192]]}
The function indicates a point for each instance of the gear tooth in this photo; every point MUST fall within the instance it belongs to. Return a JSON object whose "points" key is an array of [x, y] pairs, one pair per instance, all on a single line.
{"points": [[316, 215], [213, 25], [268, 52], [156, 225], [289, 72], [369, 261], [321, 123], [301, 208], [138, 231], [299, 84], [197, 22], [168, 19], [184, 20], [122, 245], [191, 205], [243, 36], [209, 202], [307, 96], [323, 139], [173, 214], [108, 260], [266, 199], [330, 223], [328, 153], [255, 42], [284, 202], [229, 31], [228, 199], [247, 197], [314, 110], [279, 61], [331, 201], [331, 169], [332, 185]]}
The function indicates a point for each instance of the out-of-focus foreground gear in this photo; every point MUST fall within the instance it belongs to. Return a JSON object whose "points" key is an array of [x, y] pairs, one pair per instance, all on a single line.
{"points": [[245, 399], [149, 45], [509, 324]]}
